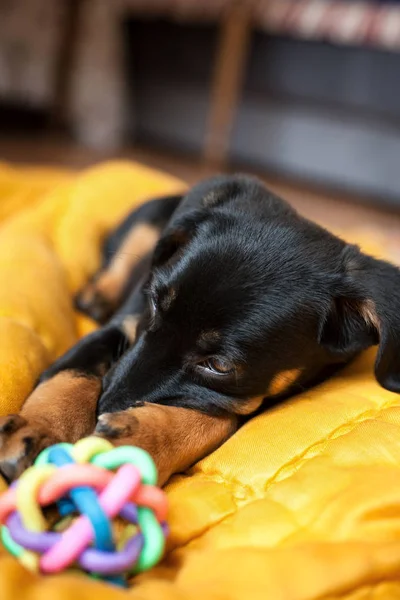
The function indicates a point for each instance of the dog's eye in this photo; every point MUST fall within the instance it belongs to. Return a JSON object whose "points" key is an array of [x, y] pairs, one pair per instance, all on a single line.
{"points": [[218, 366]]}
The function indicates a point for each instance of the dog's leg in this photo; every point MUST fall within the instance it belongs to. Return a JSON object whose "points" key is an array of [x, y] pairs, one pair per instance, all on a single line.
{"points": [[175, 437], [127, 254], [62, 408]]}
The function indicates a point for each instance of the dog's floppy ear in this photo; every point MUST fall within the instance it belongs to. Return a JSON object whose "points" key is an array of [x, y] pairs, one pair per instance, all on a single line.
{"points": [[365, 310], [176, 236]]}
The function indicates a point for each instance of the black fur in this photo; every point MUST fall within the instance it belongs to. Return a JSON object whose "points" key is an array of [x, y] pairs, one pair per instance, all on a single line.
{"points": [[280, 292]]}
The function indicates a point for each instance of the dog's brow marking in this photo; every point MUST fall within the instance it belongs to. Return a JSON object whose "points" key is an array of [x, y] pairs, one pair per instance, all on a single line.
{"points": [[207, 338], [129, 325], [211, 198], [168, 299], [212, 335], [282, 381]]}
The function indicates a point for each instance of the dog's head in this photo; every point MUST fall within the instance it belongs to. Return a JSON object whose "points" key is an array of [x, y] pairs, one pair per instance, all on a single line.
{"points": [[248, 300]]}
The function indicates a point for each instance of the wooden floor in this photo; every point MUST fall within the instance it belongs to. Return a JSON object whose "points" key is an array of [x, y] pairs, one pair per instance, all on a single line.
{"points": [[330, 209]]}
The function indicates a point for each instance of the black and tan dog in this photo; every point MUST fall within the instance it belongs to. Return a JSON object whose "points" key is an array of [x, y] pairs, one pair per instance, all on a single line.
{"points": [[217, 304]]}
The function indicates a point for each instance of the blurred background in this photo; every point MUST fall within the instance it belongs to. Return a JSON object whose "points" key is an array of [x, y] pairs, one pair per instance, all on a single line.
{"points": [[304, 93]]}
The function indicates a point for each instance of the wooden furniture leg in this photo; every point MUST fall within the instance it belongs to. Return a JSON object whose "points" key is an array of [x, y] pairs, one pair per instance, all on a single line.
{"points": [[65, 62], [227, 82]]}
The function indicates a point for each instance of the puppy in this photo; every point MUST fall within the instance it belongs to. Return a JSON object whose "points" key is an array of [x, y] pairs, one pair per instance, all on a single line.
{"points": [[215, 306]]}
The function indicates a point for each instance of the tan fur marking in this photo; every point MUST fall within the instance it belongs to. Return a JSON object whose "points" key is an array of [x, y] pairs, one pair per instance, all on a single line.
{"points": [[109, 287], [138, 242], [368, 312], [87, 293], [65, 404], [211, 198], [283, 381], [168, 299], [61, 409], [246, 408], [175, 437], [212, 335], [129, 326]]}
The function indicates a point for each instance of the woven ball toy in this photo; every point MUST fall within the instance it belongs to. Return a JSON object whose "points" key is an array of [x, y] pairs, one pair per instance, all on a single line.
{"points": [[110, 516]]}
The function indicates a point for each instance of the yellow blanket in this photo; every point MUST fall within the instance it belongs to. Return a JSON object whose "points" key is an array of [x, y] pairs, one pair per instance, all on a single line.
{"points": [[302, 503]]}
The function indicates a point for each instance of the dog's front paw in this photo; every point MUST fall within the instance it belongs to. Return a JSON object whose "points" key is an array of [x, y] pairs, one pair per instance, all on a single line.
{"points": [[93, 302], [20, 443]]}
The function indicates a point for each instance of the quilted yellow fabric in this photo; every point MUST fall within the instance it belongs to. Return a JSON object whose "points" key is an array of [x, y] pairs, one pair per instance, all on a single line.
{"points": [[303, 503]]}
